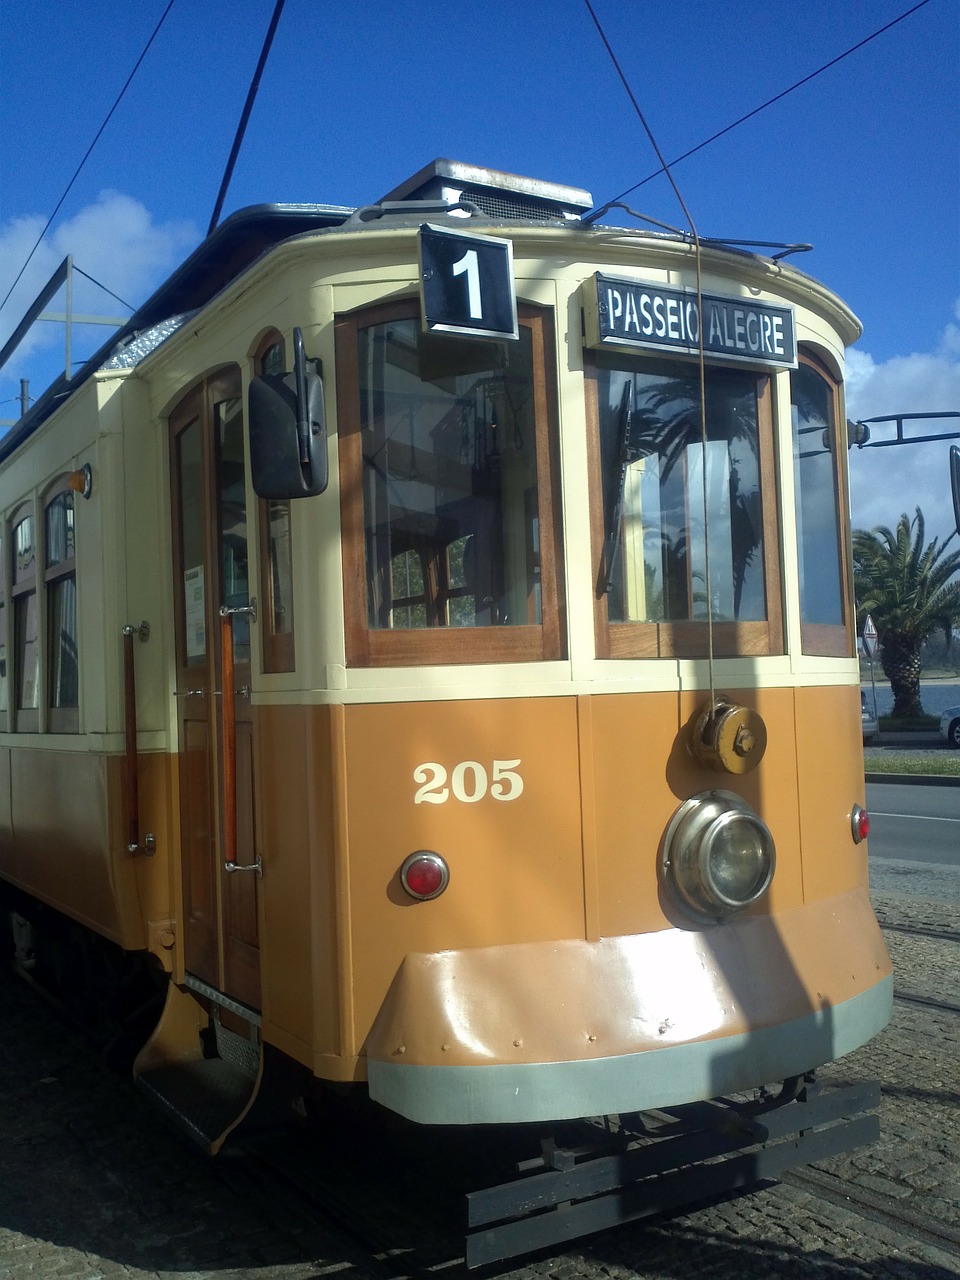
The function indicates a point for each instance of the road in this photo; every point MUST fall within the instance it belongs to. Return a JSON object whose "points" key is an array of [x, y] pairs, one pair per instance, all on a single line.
{"points": [[913, 822], [94, 1187], [914, 844]]}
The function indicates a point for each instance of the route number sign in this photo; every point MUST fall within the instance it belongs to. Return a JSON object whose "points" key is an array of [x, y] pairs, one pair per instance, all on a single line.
{"points": [[466, 284]]}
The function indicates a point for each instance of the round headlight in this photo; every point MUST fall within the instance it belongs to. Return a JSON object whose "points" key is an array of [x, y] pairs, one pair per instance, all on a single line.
{"points": [[718, 855]]}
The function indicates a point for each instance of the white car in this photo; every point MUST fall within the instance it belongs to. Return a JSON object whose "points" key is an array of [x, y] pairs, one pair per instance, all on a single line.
{"points": [[950, 726]]}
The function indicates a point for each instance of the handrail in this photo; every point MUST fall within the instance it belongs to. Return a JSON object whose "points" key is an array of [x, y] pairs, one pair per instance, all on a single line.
{"points": [[130, 738], [228, 735]]}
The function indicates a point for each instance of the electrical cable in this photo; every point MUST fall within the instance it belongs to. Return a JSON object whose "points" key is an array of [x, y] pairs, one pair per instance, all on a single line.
{"points": [[769, 103], [701, 357], [115, 296], [86, 156], [245, 116]]}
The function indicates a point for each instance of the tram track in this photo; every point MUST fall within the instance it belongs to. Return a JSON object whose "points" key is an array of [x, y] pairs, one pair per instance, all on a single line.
{"points": [[877, 1208], [939, 935], [913, 997]]}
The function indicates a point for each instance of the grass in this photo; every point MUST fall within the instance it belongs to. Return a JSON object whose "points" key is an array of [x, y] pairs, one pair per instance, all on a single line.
{"points": [[928, 764], [918, 723]]}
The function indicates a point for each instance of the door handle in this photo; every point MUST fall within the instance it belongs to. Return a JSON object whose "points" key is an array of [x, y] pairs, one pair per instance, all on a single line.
{"points": [[240, 610]]}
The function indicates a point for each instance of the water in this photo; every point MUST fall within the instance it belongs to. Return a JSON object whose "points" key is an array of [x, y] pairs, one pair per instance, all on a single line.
{"points": [[935, 697]]}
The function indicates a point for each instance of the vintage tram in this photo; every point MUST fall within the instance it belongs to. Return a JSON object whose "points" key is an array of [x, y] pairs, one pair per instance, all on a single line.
{"points": [[430, 652]]}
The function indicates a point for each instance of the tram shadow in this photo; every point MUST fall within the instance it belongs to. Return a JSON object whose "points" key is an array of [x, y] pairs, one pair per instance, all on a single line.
{"points": [[92, 1179], [771, 1239]]}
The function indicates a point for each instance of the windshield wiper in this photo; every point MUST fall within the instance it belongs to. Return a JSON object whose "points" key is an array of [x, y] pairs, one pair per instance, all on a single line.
{"points": [[628, 452]]}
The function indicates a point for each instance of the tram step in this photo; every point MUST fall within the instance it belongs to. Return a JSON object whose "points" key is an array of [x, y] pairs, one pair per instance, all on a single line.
{"points": [[205, 1098]]}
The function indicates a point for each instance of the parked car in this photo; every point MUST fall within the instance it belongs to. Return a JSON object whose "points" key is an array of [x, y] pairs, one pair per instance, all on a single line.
{"points": [[950, 726], [870, 726]]}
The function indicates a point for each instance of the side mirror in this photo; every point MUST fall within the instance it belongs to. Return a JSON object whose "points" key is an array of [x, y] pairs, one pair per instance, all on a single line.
{"points": [[955, 482], [288, 430]]}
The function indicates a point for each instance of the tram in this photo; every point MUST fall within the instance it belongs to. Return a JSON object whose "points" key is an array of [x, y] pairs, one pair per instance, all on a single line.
{"points": [[429, 655]]}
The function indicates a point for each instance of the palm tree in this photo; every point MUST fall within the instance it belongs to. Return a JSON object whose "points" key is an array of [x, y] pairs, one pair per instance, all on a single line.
{"points": [[905, 586]]}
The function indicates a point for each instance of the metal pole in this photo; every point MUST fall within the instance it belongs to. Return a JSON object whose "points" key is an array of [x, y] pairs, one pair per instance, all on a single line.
{"points": [[873, 686]]}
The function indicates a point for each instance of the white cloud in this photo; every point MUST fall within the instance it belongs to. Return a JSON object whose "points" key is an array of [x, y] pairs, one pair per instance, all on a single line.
{"points": [[117, 242], [884, 482]]}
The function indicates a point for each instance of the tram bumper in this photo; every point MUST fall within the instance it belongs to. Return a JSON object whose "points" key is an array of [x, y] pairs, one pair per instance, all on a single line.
{"points": [[569, 1029]]}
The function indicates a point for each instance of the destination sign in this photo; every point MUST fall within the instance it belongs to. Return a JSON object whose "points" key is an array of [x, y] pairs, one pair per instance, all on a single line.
{"points": [[631, 313]]}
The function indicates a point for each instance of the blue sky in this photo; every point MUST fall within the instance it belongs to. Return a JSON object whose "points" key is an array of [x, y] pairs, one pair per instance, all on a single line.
{"points": [[863, 161]]}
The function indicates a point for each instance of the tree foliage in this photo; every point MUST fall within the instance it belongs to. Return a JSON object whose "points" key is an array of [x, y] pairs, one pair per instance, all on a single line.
{"points": [[903, 582]]}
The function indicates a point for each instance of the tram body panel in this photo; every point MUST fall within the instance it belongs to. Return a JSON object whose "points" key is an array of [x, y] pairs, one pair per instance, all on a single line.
{"points": [[830, 782], [305, 938], [686, 1015]]}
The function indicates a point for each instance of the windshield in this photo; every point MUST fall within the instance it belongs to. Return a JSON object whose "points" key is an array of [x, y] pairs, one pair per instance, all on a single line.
{"points": [[670, 499]]}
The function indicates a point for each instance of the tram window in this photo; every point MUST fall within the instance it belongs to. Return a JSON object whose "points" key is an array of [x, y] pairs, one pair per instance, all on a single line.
{"points": [[276, 555], [26, 641], [190, 506], [447, 481], [818, 465], [60, 579], [668, 502]]}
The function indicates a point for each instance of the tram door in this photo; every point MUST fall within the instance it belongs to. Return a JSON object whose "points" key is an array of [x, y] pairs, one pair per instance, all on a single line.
{"points": [[212, 569]]}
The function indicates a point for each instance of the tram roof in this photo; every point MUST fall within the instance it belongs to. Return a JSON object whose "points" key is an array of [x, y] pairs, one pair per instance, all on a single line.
{"points": [[247, 234]]}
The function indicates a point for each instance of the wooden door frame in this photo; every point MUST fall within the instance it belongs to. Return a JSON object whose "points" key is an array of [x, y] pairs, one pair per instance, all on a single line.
{"points": [[208, 943]]}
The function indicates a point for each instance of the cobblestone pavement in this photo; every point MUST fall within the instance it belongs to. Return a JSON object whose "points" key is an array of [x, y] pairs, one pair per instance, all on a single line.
{"points": [[94, 1187]]}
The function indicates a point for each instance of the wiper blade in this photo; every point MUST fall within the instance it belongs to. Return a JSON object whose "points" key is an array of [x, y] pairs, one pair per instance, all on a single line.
{"points": [[628, 452]]}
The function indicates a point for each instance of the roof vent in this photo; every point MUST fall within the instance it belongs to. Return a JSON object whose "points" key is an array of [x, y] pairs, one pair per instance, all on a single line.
{"points": [[499, 195]]}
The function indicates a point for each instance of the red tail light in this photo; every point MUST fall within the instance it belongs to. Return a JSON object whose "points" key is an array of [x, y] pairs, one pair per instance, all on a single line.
{"points": [[859, 824], [424, 875]]}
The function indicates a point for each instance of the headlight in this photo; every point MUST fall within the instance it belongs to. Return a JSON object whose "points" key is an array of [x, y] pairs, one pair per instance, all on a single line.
{"points": [[718, 855]]}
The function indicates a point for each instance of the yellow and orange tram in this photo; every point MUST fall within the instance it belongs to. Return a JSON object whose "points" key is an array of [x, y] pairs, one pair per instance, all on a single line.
{"points": [[430, 653]]}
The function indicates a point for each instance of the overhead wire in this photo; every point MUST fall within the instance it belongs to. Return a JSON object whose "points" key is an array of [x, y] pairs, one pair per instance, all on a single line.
{"points": [[769, 103], [700, 351], [245, 116], [86, 275], [86, 156]]}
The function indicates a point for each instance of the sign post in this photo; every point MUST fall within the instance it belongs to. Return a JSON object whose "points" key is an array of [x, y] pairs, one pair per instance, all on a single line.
{"points": [[870, 648]]}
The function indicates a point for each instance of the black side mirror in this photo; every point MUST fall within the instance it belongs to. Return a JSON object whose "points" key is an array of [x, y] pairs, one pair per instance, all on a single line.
{"points": [[288, 429], [955, 482]]}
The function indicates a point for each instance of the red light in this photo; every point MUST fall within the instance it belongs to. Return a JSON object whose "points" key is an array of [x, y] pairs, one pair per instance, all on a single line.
{"points": [[424, 875], [859, 823]]}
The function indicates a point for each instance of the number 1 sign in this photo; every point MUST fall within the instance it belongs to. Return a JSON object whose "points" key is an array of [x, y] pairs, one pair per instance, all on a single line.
{"points": [[466, 284]]}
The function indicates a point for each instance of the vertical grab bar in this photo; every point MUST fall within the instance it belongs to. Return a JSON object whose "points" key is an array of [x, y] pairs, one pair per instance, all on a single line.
{"points": [[130, 740], [228, 734]]}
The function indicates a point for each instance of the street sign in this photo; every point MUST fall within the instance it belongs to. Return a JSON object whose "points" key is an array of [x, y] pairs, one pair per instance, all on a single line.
{"points": [[466, 284], [869, 636]]}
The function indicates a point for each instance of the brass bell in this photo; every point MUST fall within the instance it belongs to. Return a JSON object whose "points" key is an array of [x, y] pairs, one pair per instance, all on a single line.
{"points": [[728, 737]]}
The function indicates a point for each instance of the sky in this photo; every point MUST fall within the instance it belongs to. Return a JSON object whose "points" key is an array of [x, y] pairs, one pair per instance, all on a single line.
{"points": [[862, 161]]}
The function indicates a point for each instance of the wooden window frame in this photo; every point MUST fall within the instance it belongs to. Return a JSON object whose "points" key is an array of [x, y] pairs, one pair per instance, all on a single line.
{"points": [[278, 648], [24, 719], [689, 639], [435, 646], [59, 719], [825, 639]]}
